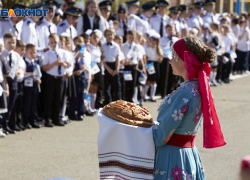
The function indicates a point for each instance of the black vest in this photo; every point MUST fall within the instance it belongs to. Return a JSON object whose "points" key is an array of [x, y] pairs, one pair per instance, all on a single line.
{"points": [[78, 67], [30, 68], [86, 23]]}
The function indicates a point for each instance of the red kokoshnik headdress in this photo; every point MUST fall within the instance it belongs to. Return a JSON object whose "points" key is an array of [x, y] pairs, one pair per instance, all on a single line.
{"points": [[212, 134]]}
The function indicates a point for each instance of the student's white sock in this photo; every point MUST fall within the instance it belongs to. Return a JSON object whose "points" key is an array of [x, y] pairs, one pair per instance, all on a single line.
{"points": [[145, 91], [153, 90], [93, 96], [135, 95], [64, 107], [215, 73], [211, 76], [142, 89]]}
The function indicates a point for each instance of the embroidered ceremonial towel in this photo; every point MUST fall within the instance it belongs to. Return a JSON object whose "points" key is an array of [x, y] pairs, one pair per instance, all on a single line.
{"points": [[124, 151]]}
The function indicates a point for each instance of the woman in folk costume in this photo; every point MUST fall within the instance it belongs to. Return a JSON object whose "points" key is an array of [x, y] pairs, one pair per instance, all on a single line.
{"points": [[179, 118]]}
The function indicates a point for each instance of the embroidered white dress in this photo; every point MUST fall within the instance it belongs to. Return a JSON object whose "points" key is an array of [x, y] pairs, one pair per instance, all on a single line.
{"points": [[179, 113]]}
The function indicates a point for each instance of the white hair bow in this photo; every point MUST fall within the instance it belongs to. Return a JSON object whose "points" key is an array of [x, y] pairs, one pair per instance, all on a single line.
{"points": [[97, 31]]}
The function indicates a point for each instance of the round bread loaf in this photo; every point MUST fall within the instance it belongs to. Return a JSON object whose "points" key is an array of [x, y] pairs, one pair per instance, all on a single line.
{"points": [[128, 113]]}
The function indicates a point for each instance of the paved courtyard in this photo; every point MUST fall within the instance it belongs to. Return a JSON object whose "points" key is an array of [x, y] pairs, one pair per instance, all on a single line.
{"points": [[71, 151]]}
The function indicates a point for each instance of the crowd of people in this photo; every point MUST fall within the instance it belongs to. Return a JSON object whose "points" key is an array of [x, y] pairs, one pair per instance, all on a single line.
{"points": [[69, 63]]}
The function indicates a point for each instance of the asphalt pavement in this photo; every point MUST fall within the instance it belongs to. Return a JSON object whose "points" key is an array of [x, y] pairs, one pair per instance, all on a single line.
{"points": [[71, 151]]}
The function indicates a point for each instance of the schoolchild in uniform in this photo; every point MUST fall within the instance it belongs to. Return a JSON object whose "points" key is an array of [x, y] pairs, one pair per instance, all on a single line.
{"points": [[88, 77], [87, 71], [69, 89], [12, 24], [86, 41], [90, 19], [119, 40], [30, 88], [66, 27], [30, 34], [184, 32], [105, 8], [211, 39], [3, 97], [10, 59], [16, 115], [131, 53], [209, 16], [76, 104], [183, 16], [227, 61], [111, 64], [97, 55], [54, 64], [242, 50], [148, 11], [168, 81], [219, 51], [174, 15], [195, 20], [133, 8], [78, 40], [126, 22], [154, 55], [45, 27], [159, 22], [141, 69]]}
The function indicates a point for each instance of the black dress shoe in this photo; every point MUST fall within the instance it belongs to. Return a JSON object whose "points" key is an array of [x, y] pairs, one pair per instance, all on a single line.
{"points": [[15, 128], [39, 118], [80, 118], [48, 124], [73, 118], [226, 81], [59, 123], [152, 100], [28, 126], [21, 126], [10, 131], [89, 113], [35, 125], [5, 132]]}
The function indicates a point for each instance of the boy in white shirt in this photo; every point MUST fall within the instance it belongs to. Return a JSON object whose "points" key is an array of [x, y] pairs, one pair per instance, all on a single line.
{"points": [[111, 64], [10, 59], [54, 64], [119, 40], [131, 52], [30, 89], [166, 42], [16, 115]]}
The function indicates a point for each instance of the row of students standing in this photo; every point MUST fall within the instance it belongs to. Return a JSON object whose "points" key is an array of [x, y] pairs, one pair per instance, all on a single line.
{"points": [[109, 66]]}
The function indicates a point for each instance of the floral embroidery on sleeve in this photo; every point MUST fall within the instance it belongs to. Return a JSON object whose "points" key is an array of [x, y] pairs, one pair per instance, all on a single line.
{"points": [[166, 99], [169, 136], [184, 109], [195, 92], [176, 173], [198, 114], [177, 115]]}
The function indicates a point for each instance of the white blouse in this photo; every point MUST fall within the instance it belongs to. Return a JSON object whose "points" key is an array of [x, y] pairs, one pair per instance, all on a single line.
{"points": [[96, 53]]}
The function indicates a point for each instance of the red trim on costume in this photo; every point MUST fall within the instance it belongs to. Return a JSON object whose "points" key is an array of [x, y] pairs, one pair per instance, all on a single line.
{"points": [[184, 141]]}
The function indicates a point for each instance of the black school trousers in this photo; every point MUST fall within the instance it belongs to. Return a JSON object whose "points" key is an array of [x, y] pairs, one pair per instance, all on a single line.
{"points": [[112, 83], [53, 95], [129, 85]]}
